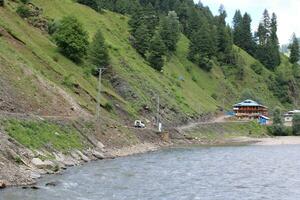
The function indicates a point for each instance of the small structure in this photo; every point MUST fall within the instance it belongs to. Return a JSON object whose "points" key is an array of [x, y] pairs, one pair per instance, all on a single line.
{"points": [[249, 109], [139, 124], [263, 120], [288, 117]]}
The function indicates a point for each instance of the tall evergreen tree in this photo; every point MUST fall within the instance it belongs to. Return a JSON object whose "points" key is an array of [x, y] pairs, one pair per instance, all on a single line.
{"points": [[170, 30], [224, 38], [201, 50], [98, 53], [142, 39], [156, 52], [274, 42], [294, 50], [248, 43], [238, 28], [268, 45]]}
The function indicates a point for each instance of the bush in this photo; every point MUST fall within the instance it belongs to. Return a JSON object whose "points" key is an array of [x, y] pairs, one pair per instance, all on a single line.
{"points": [[25, 1], [23, 11], [205, 64], [296, 125], [108, 106], [1, 2], [71, 39], [53, 26], [257, 67], [279, 130]]}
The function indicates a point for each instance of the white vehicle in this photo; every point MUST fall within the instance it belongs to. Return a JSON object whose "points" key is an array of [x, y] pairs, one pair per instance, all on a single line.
{"points": [[139, 124]]}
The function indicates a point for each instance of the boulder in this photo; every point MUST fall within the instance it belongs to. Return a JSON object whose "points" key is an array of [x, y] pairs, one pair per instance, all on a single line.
{"points": [[2, 184], [42, 164], [100, 145], [83, 157], [98, 155]]}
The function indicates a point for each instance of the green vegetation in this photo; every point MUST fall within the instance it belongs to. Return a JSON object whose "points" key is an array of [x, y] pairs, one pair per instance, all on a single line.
{"points": [[296, 125], [156, 52], [1, 2], [43, 135], [295, 50], [226, 74], [277, 128], [267, 48], [221, 131], [71, 39], [98, 53]]}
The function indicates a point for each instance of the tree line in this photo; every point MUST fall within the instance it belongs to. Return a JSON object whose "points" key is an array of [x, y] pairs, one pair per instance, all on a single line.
{"points": [[263, 44], [156, 25]]}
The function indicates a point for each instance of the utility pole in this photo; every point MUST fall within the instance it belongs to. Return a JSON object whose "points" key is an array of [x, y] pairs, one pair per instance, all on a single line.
{"points": [[101, 70], [158, 115]]}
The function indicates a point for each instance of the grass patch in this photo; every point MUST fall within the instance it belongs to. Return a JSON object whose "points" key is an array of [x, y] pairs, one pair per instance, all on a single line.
{"points": [[221, 131], [40, 134]]}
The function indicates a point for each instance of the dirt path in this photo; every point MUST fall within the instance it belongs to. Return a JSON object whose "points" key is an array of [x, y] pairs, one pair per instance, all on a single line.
{"points": [[219, 119]]}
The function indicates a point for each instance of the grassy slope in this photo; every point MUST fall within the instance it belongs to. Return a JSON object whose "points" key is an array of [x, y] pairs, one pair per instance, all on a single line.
{"points": [[215, 132], [191, 96]]}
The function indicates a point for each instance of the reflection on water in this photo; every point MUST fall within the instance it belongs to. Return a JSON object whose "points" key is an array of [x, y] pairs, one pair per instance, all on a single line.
{"points": [[216, 173]]}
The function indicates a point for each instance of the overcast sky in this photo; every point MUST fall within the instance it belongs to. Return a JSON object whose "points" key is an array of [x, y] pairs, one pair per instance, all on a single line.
{"points": [[288, 13]]}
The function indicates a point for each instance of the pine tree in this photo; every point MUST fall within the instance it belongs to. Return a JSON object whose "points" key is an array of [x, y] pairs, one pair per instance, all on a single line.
{"points": [[91, 3], [200, 50], [248, 43], [170, 31], [142, 39], [268, 48], [224, 38], [294, 50], [274, 42], [156, 52], [238, 28], [98, 53]]}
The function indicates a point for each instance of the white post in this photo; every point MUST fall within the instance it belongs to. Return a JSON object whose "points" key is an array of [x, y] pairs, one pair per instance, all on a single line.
{"points": [[98, 107]]}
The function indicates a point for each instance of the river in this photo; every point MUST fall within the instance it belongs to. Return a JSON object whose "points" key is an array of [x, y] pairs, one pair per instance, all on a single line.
{"points": [[204, 173]]}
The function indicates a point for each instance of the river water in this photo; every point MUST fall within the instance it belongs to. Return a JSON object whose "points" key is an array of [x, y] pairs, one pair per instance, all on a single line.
{"points": [[212, 173]]}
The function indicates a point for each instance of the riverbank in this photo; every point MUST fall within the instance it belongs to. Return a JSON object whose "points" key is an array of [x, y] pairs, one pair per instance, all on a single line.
{"points": [[148, 147], [23, 166]]}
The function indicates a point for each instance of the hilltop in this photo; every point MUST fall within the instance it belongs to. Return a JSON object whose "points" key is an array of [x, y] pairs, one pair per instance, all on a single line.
{"points": [[38, 81]]}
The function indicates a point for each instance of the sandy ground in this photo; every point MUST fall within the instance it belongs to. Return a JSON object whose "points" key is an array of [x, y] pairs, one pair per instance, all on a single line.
{"points": [[287, 140]]}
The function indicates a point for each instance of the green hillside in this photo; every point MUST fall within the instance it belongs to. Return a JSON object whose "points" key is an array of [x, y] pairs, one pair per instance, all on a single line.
{"points": [[29, 57]]}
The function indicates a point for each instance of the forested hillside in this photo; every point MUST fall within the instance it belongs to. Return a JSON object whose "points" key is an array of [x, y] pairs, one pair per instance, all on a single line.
{"points": [[171, 53], [176, 50]]}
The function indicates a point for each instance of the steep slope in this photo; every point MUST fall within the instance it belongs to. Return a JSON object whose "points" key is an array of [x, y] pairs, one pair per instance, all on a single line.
{"points": [[36, 79], [131, 85]]}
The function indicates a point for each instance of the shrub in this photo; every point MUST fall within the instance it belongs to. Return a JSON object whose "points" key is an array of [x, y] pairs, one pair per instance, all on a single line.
{"points": [[108, 106], [257, 67], [279, 130], [71, 39], [23, 11], [1, 2], [53, 26], [25, 1], [296, 125], [18, 160], [214, 96], [205, 64]]}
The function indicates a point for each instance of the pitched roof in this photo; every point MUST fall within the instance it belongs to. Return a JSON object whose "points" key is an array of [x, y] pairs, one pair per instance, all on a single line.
{"points": [[248, 102]]}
